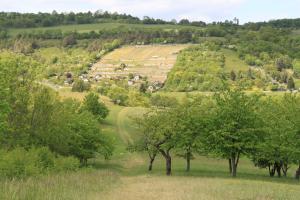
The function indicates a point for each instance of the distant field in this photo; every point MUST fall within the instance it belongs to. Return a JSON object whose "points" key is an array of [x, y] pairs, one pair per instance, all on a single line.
{"points": [[96, 27], [153, 61]]}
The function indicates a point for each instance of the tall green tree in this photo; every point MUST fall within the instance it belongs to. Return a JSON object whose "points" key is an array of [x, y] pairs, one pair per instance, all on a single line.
{"points": [[237, 127], [276, 152], [92, 104], [158, 130], [192, 120]]}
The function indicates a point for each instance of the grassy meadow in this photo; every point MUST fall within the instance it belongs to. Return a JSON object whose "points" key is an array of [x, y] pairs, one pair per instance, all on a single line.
{"points": [[125, 174]]}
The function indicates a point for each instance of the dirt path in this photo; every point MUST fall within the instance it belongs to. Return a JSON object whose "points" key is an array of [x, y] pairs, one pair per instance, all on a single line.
{"points": [[122, 126]]}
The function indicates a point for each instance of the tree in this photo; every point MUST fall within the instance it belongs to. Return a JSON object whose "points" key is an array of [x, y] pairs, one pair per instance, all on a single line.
{"points": [[69, 40], [279, 149], [80, 86], [118, 95], [283, 62], [87, 139], [232, 75], [191, 118], [92, 104], [163, 101], [16, 88], [143, 144], [236, 126], [158, 132], [291, 83]]}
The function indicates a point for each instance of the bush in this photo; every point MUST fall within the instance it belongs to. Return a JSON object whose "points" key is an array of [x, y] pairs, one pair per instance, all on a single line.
{"points": [[66, 163], [21, 163], [137, 99], [163, 101], [118, 95], [69, 41], [80, 86]]}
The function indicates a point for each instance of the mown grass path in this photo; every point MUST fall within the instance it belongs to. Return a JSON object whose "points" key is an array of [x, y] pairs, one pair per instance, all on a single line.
{"points": [[127, 139]]}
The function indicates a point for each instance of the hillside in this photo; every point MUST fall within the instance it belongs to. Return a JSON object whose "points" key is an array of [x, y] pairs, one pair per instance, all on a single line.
{"points": [[153, 62], [109, 106]]}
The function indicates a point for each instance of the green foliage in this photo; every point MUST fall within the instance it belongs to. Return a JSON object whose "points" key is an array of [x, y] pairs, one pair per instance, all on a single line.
{"points": [[92, 104], [291, 83], [69, 40], [36, 117], [81, 86], [281, 123], [296, 68], [118, 95], [236, 126], [232, 75], [283, 62], [137, 99], [197, 68], [163, 101], [21, 163]]}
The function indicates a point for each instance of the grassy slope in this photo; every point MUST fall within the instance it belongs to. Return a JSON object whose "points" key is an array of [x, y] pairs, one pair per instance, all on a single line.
{"points": [[125, 175], [94, 27]]}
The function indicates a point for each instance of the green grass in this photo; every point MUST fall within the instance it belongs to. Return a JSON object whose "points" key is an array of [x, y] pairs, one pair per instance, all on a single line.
{"points": [[233, 62], [85, 184], [297, 83], [81, 28], [125, 175]]}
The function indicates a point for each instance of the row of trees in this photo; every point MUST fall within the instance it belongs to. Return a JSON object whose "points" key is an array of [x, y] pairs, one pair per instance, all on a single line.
{"points": [[26, 20], [141, 34], [228, 125], [34, 116]]}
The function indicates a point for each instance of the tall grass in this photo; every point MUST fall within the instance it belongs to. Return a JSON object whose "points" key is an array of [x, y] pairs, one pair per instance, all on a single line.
{"points": [[85, 184]]}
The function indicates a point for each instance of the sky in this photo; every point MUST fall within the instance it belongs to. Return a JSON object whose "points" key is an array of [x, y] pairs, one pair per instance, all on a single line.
{"points": [[204, 10]]}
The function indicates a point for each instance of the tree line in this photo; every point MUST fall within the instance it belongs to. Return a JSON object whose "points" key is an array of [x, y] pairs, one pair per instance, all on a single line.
{"points": [[230, 124], [28, 20]]}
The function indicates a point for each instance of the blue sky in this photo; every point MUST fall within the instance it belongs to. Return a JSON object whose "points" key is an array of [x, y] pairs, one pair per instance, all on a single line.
{"points": [[206, 10]]}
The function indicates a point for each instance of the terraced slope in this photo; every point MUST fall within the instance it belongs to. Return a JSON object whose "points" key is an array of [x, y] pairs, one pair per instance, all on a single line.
{"points": [[153, 61]]}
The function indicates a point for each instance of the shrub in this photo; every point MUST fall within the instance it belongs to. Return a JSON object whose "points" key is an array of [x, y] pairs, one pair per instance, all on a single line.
{"points": [[163, 101], [118, 95], [69, 40], [80, 86], [66, 163], [21, 163], [136, 99]]}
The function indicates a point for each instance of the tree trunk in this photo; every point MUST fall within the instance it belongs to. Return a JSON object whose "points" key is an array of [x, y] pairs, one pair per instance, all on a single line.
{"points": [[234, 163], [83, 161], [167, 156], [151, 163], [278, 169], [188, 161], [230, 167], [298, 172], [285, 168], [168, 165], [152, 156], [233, 167], [271, 170]]}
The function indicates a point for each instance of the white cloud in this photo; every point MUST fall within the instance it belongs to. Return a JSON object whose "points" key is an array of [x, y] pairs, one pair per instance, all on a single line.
{"points": [[192, 9], [206, 10]]}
